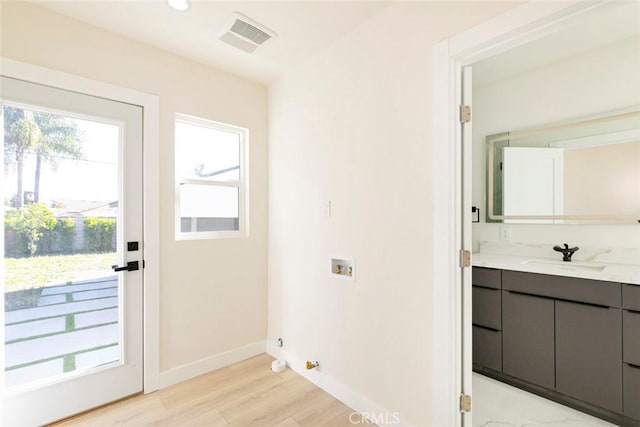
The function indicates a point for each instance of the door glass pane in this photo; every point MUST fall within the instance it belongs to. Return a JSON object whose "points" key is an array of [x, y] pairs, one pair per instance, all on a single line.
{"points": [[61, 213]]}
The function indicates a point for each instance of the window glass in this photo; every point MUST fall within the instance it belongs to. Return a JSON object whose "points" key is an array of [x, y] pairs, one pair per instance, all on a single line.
{"points": [[208, 208], [210, 177], [207, 153]]}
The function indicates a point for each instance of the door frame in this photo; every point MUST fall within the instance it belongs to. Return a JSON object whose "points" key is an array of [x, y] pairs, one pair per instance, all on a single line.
{"points": [[513, 28], [151, 191]]}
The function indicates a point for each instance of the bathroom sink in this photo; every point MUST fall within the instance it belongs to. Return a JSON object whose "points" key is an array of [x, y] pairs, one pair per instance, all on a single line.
{"points": [[574, 265]]}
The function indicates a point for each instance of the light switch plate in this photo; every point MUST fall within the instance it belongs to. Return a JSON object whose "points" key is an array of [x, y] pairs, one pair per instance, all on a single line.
{"points": [[327, 209]]}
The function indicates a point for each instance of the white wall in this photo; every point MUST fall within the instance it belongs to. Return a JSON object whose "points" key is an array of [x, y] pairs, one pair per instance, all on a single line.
{"points": [[353, 126], [213, 293], [600, 80]]}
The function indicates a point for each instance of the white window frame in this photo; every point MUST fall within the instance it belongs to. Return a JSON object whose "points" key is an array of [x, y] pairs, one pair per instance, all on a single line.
{"points": [[242, 184]]}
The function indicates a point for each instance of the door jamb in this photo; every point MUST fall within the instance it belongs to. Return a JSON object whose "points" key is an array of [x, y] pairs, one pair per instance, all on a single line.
{"points": [[515, 27], [151, 190]]}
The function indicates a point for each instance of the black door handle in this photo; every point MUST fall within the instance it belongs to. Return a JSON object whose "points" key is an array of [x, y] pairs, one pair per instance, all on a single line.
{"points": [[131, 266]]}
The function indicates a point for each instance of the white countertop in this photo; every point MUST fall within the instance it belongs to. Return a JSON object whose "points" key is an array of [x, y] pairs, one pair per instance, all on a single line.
{"points": [[532, 262]]}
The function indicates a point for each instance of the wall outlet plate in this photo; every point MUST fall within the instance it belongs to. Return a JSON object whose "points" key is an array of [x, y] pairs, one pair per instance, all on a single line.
{"points": [[505, 234]]}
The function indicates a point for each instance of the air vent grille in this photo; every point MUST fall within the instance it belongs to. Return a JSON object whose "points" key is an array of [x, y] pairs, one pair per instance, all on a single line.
{"points": [[244, 33], [250, 32]]}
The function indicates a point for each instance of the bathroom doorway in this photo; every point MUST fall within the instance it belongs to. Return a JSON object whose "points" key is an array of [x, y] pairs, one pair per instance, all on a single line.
{"points": [[483, 48]]}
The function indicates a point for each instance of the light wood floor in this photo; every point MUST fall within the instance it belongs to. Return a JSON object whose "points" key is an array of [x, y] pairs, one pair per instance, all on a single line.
{"points": [[245, 394]]}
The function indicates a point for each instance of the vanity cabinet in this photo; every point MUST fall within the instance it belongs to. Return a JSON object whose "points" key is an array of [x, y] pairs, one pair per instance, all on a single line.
{"points": [[573, 340], [487, 318], [631, 350], [528, 338], [588, 353], [564, 334]]}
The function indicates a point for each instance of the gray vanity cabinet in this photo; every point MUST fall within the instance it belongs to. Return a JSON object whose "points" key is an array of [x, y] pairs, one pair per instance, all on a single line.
{"points": [[487, 318], [588, 353], [571, 339], [528, 338], [631, 353]]}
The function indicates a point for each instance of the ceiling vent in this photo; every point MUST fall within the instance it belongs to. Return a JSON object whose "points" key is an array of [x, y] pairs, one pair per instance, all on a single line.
{"points": [[245, 34]]}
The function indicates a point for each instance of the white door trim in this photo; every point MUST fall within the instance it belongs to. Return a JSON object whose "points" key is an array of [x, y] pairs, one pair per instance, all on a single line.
{"points": [[506, 31], [151, 190]]}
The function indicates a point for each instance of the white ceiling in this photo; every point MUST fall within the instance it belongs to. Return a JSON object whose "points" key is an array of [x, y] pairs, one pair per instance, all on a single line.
{"points": [[620, 21], [303, 28]]}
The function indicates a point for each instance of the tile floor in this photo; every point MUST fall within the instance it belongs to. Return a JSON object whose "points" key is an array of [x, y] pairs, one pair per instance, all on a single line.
{"points": [[496, 404]]}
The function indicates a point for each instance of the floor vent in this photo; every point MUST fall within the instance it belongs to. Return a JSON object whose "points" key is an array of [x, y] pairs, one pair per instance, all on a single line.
{"points": [[245, 34]]}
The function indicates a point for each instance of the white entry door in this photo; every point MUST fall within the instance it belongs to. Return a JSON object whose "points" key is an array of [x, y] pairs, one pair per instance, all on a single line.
{"points": [[73, 268]]}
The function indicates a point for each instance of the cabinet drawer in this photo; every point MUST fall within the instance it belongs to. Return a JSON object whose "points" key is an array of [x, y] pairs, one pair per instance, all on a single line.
{"points": [[568, 288], [486, 307], [487, 348], [631, 340], [631, 297], [487, 277], [631, 391]]}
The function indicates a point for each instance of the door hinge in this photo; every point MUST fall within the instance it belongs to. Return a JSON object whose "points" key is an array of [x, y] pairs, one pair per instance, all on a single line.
{"points": [[465, 403], [465, 258], [465, 114]]}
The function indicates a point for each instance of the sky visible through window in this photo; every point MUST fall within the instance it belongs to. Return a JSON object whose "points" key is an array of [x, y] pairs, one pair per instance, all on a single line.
{"points": [[93, 177], [208, 151]]}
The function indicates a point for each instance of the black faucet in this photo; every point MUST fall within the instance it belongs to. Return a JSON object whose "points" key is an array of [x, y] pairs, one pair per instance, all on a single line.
{"points": [[566, 251]]}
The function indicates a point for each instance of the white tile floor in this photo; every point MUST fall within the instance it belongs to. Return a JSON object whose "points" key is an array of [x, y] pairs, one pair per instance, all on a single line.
{"points": [[496, 404]]}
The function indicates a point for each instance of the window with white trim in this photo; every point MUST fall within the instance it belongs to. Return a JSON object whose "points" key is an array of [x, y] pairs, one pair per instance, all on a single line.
{"points": [[211, 179]]}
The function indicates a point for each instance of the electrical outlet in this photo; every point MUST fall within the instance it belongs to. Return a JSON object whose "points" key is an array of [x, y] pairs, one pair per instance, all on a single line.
{"points": [[505, 233]]}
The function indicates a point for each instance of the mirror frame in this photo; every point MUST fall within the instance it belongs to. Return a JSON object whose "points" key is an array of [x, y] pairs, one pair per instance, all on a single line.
{"points": [[505, 137]]}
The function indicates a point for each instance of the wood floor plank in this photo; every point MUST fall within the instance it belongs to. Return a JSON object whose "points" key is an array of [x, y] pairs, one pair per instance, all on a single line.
{"points": [[225, 393], [280, 389], [344, 419], [203, 415], [271, 410], [135, 411], [246, 394], [317, 414], [289, 422]]}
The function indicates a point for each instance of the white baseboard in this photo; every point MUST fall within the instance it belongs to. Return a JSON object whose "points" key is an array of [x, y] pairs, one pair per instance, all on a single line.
{"points": [[356, 401], [202, 366]]}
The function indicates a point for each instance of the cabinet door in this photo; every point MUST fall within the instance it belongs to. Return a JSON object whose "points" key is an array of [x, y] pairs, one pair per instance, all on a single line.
{"points": [[589, 353], [632, 391], [528, 338], [631, 338]]}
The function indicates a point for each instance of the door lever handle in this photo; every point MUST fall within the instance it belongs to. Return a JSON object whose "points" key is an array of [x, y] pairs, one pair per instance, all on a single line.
{"points": [[131, 266]]}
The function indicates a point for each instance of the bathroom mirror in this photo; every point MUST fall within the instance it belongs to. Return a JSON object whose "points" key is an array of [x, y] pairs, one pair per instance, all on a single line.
{"points": [[582, 170]]}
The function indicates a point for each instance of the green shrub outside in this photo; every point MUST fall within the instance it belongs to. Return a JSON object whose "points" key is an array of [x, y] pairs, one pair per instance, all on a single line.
{"points": [[98, 234], [29, 223], [36, 231], [60, 239]]}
